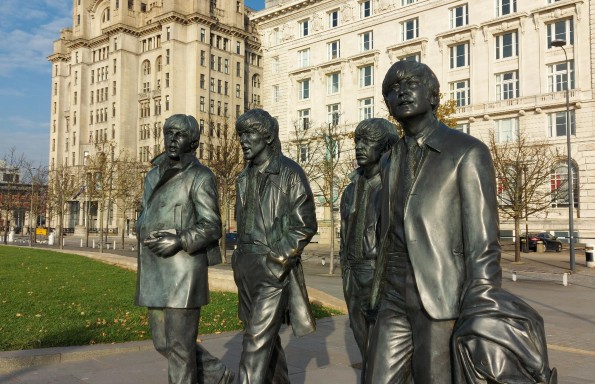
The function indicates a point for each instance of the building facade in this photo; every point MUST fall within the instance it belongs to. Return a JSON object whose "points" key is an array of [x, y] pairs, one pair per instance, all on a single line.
{"points": [[126, 65], [325, 61]]}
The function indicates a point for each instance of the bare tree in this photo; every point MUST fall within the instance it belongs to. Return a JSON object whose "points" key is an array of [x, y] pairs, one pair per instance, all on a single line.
{"points": [[36, 176], [226, 162], [11, 164], [128, 188], [523, 169], [326, 156], [63, 187]]}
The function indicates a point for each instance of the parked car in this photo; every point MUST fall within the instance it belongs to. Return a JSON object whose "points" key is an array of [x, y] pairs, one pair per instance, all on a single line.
{"points": [[551, 242], [231, 240]]}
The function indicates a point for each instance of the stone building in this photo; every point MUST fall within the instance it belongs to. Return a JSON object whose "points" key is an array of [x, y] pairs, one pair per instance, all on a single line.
{"points": [[325, 61], [126, 65]]}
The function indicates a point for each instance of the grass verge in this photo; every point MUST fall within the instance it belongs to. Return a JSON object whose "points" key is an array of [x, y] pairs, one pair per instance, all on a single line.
{"points": [[51, 299]]}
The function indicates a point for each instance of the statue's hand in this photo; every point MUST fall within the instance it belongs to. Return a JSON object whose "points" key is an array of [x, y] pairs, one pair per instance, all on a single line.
{"points": [[280, 266], [164, 244]]}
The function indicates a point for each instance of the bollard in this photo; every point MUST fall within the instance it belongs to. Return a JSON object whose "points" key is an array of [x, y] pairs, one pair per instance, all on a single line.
{"points": [[589, 255], [81, 243], [114, 247], [93, 243], [514, 276], [565, 279], [63, 242]]}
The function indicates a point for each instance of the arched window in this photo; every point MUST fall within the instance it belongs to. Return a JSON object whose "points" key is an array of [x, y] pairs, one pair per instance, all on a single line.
{"points": [[105, 16], [146, 67], [559, 185], [158, 64], [256, 81]]}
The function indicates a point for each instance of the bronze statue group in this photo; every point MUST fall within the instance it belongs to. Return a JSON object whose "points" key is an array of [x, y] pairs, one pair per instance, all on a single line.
{"points": [[420, 256]]}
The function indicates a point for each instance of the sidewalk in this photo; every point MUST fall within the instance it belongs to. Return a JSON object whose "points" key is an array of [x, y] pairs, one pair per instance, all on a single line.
{"points": [[326, 356]]}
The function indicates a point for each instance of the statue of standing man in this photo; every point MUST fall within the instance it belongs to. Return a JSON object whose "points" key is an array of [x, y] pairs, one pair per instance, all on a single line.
{"points": [[442, 314], [360, 223], [276, 220], [179, 229]]}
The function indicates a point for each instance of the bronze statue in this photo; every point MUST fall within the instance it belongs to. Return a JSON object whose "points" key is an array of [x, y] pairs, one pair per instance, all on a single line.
{"points": [[178, 230], [360, 223], [276, 220], [439, 269]]}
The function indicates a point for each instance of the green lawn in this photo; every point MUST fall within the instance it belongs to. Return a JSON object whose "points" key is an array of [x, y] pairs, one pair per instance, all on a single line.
{"points": [[51, 299]]}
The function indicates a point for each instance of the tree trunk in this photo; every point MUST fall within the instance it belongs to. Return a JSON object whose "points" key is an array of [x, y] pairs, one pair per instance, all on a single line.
{"points": [[331, 268], [517, 243], [101, 226], [224, 225]]}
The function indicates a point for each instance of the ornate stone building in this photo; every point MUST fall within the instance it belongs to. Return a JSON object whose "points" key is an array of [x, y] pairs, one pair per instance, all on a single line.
{"points": [[325, 61], [126, 65]]}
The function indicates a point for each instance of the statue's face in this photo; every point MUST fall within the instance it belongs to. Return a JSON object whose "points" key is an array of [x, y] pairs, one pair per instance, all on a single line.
{"points": [[367, 152], [177, 142], [408, 98], [254, 145]]}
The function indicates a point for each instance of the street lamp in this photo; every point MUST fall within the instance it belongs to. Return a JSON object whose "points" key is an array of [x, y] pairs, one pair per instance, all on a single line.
{"points": [[561, 43], [31, 211]]}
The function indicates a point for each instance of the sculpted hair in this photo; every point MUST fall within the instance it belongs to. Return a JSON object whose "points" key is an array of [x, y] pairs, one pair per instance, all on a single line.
{"points": [[377, 129], [259, 120], [407, 69], [186, 123]]}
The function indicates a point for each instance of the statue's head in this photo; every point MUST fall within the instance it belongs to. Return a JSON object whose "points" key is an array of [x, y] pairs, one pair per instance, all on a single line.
{"points": [[372, 138], [411, 71], [181, 135], [258, 132]]}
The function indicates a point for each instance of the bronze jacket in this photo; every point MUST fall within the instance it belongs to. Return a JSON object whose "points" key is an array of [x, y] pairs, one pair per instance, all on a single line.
{"points": [[450, 219], [372, 217], [289, 215], [185, 201]]}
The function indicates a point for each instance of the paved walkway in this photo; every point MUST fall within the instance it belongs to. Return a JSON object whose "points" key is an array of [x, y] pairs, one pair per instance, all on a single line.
{"points": [[327, 355]]}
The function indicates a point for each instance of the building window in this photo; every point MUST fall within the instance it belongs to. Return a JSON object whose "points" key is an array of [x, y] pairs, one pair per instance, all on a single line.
{"points": [[275, 64], [334, 49], [557, 76], [505, 7], [407, 2], [464, 127], [459, 55], [365, 9], [238, 48], [459, 16], [409, 29], [333, 113], [561, 30], [559, 185], [303, 59], [304, 26], [507, 85], [333, 18], [412, 57], [167, 33], [167, 80], [202, 103], [506, 129], [366, 41], [304, 89], [557, 124], [202, 81], [276, 93], [333, 83], [507, 45], [366, 76], [304, 153], [366, 108], [304, 119], [238, 90], [203, 35]]}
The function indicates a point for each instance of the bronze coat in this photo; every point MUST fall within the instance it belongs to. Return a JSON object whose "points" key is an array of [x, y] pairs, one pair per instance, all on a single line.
{"points": [[187, 202], [289, 216], [450, 218]]}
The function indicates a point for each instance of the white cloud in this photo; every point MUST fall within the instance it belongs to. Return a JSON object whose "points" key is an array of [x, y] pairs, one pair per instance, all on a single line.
{"points": [[29, 30]]}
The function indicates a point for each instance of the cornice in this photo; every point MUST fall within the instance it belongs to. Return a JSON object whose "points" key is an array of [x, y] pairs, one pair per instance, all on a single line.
{"points": [[281, 10], [56, 57]]}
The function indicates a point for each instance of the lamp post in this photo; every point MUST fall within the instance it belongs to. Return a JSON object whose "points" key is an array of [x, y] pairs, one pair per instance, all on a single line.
{"points": [[561, 44], [31, 211]]}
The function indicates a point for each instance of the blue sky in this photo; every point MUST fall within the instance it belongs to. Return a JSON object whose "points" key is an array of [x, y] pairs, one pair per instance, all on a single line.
{"points": [[28, 30]]}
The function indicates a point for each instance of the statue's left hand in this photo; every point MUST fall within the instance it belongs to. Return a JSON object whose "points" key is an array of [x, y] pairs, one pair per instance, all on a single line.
{"points": [[164, 244]]}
